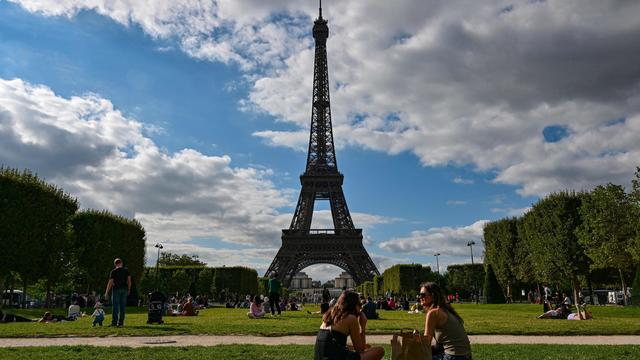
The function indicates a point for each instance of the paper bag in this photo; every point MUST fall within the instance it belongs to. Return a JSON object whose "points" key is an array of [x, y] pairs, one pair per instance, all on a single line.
{"points": [[407, 346]]}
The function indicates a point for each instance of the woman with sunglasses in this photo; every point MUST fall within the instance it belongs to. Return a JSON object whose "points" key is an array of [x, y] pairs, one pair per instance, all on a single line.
{"points": [[343, 320], [444, 324]]}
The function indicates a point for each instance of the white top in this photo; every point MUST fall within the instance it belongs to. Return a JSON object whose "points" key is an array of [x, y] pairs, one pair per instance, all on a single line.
{"points": [[98, 312], [74, 310]]}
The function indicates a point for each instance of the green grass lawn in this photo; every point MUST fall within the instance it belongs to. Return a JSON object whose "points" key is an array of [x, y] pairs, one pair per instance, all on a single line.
{"points": [[300, 352], [516, 319]]}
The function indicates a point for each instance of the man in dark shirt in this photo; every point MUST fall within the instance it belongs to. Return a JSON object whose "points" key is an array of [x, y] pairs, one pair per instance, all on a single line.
{"points": [[274, 294], [120, 286], [369, 309]]}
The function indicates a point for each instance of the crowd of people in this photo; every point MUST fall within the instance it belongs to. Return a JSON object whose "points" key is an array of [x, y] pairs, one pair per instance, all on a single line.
{"points": [[342, 317]]}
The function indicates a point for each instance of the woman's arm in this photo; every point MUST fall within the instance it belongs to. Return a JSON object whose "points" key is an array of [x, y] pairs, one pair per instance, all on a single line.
{"points": [[354, 332], [430, 325]]}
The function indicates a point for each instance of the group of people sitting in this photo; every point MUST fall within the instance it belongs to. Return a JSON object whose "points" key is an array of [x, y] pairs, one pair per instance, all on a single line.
{"points": [[259, 303], [185, 307], [348, 319]]}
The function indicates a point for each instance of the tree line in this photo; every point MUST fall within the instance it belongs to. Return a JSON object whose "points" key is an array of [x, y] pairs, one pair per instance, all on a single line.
{"points": [[570, 240], [46, 241]]}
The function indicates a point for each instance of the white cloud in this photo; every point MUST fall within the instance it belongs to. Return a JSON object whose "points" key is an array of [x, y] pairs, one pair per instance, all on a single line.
{"points": [[448, 241], [452, 82], [456, 202], [95, 153], [459, 180]]}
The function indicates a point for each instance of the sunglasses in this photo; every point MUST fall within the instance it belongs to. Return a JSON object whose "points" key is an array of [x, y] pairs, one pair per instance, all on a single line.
{"points": [[423, 295]]}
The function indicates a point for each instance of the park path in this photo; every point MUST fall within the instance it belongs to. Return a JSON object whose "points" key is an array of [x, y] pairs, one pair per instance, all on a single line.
{"points": [[211, 340]]}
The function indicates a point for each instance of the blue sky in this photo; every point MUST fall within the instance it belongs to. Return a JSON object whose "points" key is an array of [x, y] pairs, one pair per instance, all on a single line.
{"points": [[195, 120]]}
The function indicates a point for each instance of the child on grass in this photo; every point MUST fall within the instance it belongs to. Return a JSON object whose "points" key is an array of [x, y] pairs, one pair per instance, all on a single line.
{"points": [[98, 314]]}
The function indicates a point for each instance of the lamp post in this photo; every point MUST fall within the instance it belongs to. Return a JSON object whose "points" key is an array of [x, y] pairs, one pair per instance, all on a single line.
{"points": [[475, 285], [159, 246], [437, 262], [470, 245]]}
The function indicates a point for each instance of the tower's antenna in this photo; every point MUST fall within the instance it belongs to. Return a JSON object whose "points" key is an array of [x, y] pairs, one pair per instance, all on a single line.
{"points": [[320, 9]]}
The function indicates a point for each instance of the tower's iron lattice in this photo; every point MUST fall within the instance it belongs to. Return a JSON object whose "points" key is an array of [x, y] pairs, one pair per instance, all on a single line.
{"points": [[301, 245]]}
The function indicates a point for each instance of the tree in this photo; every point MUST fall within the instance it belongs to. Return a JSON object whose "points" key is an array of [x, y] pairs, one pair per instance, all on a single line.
{"points": [[33, 224], [549, 231], [635, 293], [204, 282], [170, 259], [405, 279], [608, 228], [98, 238], [179, 282], [500, 245], [465, 278], [634, 248], [492, 290]]}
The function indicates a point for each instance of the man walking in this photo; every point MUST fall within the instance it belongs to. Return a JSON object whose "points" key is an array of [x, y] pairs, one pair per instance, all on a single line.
{"points": [[120, 286], [274, 294]]}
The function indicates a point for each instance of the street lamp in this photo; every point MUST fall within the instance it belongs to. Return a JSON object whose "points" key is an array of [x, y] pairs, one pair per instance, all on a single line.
{"points": [[159, 246], [437, 262], [470, 245]]}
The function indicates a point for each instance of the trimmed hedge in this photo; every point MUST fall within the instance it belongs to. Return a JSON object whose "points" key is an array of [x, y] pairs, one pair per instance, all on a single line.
{"points": [[405, 279], [34, 232], [236, 279], [492, 290], [463, 278], [204, 280], [98, 238]]}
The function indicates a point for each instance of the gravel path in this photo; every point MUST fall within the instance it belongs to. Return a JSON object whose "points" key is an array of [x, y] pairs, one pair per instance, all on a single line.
{"points": [[211, 340]]}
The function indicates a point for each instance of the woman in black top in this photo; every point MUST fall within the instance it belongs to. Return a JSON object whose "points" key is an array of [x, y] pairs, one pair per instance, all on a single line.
{"points": [[345, 319]]}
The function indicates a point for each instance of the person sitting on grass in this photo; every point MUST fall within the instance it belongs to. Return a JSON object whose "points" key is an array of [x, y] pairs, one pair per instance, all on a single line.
{"points": [[343, 320], [188, 309], [369, 309], [256, 309], [74, 311], [444, 324], [98, 315]]}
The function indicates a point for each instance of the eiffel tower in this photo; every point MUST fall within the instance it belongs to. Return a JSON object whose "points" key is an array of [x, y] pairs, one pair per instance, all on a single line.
{"points": [[301, 245]]}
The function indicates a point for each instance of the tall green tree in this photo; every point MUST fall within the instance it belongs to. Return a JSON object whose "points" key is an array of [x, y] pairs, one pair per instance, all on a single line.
{"points": [[500, 245], [33, 225], [608, 228], [634, 196], [171, 259], [98, 238], [465, 278], [492, 290], [549, 229]]}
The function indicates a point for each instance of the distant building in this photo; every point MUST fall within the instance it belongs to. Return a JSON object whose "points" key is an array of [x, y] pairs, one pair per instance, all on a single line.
{"points": [[344, 280], [316, 284], [300, 281]]}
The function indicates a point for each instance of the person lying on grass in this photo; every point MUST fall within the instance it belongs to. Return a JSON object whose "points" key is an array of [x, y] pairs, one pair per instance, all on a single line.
{"points": [[49, 317], [6, 318], [559, 313]]}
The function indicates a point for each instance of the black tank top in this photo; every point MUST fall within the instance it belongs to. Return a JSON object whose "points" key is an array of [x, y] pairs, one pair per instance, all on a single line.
{"points": [[332, 345]]}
